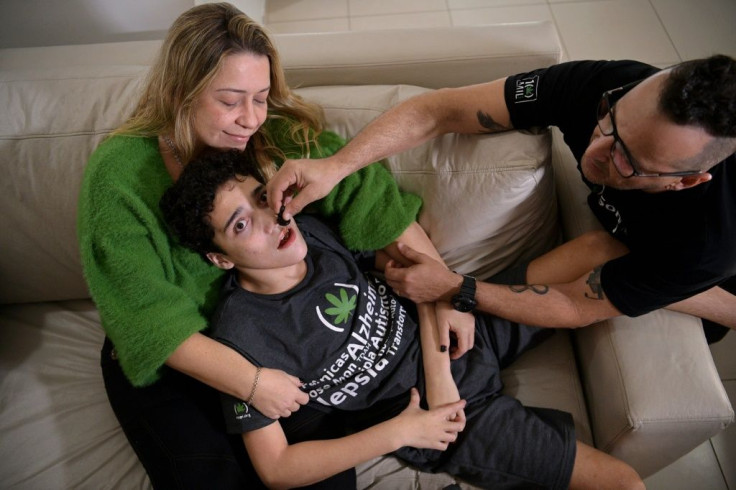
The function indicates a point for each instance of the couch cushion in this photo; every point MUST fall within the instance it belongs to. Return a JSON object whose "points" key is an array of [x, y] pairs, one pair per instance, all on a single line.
{"points": [[489, 201], [59, 117]]}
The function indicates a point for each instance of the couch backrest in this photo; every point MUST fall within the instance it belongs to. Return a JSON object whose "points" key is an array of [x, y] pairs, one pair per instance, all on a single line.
{"points": [[57, 113]]}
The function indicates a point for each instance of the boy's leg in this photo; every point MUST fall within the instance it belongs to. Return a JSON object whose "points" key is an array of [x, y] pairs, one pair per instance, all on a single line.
{"points": [[596, 469], [506, 446]]}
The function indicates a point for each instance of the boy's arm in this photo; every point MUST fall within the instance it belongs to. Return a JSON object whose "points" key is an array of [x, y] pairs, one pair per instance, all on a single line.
{"points": [[440, 385], [448, 319], [281, 465]]}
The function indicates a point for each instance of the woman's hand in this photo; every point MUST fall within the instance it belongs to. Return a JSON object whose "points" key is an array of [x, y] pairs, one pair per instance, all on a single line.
{"points": [[301, 182], [278, 394], [430, 429]]}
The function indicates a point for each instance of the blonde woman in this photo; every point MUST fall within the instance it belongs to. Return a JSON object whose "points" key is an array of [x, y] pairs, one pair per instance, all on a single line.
{"points": [[216, 83]]}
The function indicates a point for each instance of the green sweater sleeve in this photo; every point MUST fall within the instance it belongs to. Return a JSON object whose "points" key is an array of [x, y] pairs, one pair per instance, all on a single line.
{"points": [[151, 293], [367, 207]]}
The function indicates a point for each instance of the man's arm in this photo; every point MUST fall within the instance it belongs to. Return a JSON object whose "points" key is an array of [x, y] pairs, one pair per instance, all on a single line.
{"points": [[579, 255], [574, 304], [545, 302], [716, 304], [472, 109], [281, 465]]}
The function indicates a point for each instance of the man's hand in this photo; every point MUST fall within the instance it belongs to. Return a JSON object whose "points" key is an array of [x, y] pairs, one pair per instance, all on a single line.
{"points": [[278, 394], [426, 280], [462, 325], [301, 182]]}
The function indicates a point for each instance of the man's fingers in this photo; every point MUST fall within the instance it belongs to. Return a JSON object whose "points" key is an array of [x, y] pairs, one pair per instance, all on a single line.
{"points": [[298, 202], [394, 275], [277, 187], [464, 344], [410, 253]]}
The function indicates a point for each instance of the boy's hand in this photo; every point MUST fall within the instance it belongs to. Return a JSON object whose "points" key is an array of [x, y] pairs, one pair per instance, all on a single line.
{"points": [[430, 429], [278, 394], [459, 323], [426, 281]]}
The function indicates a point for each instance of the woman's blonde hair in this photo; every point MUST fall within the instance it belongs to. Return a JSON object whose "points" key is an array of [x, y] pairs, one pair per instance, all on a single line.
{"points": [[190, 57]]}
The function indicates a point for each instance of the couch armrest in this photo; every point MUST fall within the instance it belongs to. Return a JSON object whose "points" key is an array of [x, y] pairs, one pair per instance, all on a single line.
{"points": [[652, 389]]}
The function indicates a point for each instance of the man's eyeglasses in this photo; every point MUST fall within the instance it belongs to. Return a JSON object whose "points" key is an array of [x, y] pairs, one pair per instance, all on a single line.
{"points": [[620, 155]]}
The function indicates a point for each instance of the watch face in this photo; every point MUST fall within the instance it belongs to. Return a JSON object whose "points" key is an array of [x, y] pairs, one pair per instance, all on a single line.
{"points": [[463, 304]]}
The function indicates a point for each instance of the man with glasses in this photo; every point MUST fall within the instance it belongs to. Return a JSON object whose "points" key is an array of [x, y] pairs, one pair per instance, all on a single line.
{"points": [[656, 148]]}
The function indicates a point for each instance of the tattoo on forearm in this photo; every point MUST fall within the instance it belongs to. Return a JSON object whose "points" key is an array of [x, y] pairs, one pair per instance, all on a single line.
{"points": [[594, 283], [487, 122], [536, 288]]}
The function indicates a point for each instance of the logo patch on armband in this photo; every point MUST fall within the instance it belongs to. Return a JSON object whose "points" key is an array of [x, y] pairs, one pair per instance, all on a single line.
{"points": [[241, 410], [526, 89]]}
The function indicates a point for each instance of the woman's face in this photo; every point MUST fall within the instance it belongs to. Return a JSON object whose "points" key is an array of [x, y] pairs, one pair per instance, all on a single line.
{"points": [[234, 106]]}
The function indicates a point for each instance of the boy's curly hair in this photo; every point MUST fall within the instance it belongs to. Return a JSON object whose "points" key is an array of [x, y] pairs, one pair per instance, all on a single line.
{"points": [[187, 204]]}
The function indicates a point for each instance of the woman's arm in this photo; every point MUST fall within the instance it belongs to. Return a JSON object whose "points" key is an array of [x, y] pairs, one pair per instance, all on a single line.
{"points": [[277, 393], [281, 465], [151, 293]]}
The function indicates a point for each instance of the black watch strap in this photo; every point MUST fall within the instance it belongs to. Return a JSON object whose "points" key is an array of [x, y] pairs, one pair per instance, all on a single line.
{"points": [[465, 299]]}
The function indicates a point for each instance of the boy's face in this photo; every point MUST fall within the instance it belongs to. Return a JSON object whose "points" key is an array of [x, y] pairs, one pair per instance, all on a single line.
{"points": [[247, 233]]}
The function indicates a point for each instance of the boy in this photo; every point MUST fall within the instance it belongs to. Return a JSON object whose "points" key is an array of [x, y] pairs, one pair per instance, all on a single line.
{"points": [[299, 301]]}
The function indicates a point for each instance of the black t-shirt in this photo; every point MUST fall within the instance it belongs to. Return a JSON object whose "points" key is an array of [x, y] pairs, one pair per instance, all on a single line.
{"points": [[681, 243], [340, 331]]}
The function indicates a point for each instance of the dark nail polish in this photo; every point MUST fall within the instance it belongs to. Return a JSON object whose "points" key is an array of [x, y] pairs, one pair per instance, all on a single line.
{"points": [[443, 348]]}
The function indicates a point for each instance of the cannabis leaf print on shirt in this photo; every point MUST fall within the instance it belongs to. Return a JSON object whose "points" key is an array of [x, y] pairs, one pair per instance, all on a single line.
{"points": [[343, 306]]}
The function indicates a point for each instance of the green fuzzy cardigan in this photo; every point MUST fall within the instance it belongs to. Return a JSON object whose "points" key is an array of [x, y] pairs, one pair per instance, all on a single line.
{"points": [[152, 293]]}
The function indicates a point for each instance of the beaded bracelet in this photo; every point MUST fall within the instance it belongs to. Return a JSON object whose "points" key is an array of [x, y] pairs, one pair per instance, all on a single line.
{"points": [[255, 385]]}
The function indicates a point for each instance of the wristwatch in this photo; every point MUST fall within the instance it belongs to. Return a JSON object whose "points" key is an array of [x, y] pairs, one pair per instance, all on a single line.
{"points": [[465, 300]]}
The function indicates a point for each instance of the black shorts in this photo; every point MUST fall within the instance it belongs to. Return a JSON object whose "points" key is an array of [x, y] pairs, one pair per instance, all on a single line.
{"points": [[506, 446]]}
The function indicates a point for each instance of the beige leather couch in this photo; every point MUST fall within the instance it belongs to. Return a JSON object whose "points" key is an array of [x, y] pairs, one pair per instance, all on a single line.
{"points": [[643, 389]]}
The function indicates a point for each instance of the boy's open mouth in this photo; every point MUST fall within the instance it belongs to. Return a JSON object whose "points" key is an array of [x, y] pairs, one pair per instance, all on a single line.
{"points": [[285, 238]]}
